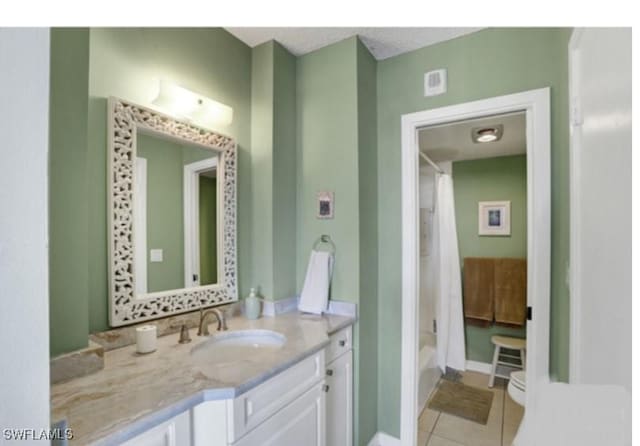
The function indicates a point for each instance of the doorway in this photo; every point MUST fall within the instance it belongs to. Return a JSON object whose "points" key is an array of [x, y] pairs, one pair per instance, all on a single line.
{"points": [[535, 105], [201, 224]]}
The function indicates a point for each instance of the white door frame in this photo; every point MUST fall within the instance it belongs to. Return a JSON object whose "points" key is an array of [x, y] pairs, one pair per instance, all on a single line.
{"points": [[583, 306], [536, 104], [575, 143], [191, 217]]}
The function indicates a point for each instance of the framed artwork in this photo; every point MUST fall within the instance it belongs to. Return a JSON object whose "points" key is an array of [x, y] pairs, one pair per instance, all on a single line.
{"points": [[325, 205], [494, 218]]}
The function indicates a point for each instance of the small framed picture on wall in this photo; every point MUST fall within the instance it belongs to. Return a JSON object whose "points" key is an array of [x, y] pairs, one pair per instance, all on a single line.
{"points": [[325, 205], [494, 218]]}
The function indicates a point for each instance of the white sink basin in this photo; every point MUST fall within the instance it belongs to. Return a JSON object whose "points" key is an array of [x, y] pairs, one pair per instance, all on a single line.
{"points": [[237, 345]]}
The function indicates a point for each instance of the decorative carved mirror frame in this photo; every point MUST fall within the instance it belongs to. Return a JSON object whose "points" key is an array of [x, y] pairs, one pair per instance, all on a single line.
{"points": [[124, 119]]}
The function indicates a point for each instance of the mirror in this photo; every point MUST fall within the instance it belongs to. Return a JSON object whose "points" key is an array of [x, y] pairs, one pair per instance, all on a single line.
{"points": [[175, 211], [172, 215]]}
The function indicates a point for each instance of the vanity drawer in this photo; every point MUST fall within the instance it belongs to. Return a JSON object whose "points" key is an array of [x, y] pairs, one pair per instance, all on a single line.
{"points": [[301, 422], [258, 404], [339, 343], [173, 432]]}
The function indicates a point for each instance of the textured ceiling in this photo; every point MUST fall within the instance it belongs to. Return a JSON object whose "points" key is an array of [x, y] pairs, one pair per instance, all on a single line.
{"points": [[452, 142], [382, 42]]}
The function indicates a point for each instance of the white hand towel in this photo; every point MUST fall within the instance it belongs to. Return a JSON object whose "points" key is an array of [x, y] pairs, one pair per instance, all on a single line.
{"points": [[315, 291]]}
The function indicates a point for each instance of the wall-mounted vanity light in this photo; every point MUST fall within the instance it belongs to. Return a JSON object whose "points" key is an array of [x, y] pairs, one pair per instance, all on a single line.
{"points": [[197, 109]]}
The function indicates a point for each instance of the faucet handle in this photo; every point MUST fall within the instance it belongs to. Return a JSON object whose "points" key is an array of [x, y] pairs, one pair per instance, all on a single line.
{"points": [[184, 335]]}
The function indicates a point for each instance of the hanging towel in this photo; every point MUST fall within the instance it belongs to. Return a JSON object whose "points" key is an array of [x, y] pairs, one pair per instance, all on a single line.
{"points": [[479, 290], [510, 292], [315, 291]]}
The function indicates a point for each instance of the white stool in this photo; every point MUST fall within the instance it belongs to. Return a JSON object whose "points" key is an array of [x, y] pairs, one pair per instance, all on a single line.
{"points": [[512, 344]]}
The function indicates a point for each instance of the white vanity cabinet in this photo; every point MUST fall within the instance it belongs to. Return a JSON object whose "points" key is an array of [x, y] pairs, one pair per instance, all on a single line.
{"points": [[173, 432], [300, 423], [339, 386], [286, 410], [309, 403], [258, 404]]}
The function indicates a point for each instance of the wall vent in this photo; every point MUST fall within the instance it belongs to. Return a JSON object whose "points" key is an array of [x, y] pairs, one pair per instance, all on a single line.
{"points": [[435, 82]]}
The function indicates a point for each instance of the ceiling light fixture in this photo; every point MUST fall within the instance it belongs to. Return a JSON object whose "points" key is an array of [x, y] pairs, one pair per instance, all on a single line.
{"points": [[192, 107], [486, 134]]}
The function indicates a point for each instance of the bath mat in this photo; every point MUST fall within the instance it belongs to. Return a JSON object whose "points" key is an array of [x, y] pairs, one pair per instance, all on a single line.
{"points": [[463, 401]]}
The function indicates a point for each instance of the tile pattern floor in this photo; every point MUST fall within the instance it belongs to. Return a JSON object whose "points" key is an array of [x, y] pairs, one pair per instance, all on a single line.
{"points": [[441, 429]]}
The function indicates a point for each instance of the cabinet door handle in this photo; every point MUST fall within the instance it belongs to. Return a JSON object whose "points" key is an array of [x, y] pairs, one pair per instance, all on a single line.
{"points": [[325, 387], [329, 372], [342, 343]]}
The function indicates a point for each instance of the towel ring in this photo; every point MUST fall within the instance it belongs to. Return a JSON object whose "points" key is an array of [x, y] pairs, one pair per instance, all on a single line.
{"points": [[325, 239]]}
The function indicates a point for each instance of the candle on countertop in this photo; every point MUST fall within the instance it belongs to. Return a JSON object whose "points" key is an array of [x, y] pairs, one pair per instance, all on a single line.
{"points": [[146, 337]]}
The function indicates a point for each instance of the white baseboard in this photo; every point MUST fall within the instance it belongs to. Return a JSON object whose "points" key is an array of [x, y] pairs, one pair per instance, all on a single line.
{"points": [[382, 439], [477, 366]]}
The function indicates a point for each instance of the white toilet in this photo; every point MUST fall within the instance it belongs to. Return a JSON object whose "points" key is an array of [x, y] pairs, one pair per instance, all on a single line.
{"points": [[517, 386], [516, 389], [580, 414], [588, 415]]}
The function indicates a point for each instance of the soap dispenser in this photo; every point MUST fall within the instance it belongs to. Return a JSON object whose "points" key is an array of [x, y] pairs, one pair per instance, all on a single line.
{"points": [[252, 305]]}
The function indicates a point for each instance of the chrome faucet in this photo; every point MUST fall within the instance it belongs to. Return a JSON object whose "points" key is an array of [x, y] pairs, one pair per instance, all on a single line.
{"points": [[203, 328]]}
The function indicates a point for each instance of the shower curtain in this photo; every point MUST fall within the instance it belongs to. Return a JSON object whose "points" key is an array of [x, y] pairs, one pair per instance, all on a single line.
{"points": [[450, 319]]}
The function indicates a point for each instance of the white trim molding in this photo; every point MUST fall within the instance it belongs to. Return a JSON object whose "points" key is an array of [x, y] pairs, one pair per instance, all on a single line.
{"points": [[599, 273], [125, 307], [575, 142], [191, 200], [382, 439], [477, 366], [536, 105]]}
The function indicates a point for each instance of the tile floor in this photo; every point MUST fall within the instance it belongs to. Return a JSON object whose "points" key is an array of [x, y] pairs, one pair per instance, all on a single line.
{"points": [[441, 429]]}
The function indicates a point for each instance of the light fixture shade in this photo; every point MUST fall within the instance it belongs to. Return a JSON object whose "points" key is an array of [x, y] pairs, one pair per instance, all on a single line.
{"points": [[487, 134], [185, 104]]}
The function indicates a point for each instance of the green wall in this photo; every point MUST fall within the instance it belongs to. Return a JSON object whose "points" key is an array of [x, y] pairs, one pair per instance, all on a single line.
{"points": [[484, 64], [337, 151], [491, 179], [207, 225], [165, 219], [68, 196], [273, 158], [128, 63], [284, 173], [319, 136], [327, 160], [367, 380], [262, 111]]}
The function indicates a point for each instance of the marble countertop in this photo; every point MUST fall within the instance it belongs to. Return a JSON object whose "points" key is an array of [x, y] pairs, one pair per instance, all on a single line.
{"points": [[135, 392]]}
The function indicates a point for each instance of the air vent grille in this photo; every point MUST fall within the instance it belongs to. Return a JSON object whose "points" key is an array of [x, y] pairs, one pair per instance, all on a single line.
{"points": [[435, 82]]}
